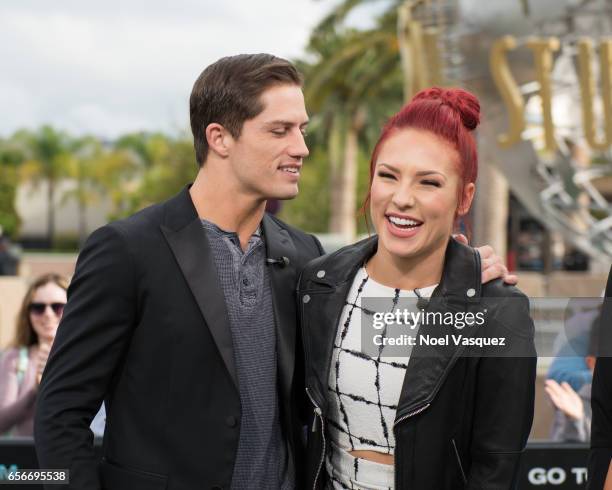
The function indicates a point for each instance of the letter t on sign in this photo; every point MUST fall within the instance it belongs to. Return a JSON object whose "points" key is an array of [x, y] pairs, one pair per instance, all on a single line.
{"points": [[542, 53], [508, 89]]}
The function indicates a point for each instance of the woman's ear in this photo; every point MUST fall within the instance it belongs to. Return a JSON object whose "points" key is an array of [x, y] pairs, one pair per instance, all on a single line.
{"points": [[468, 196]]}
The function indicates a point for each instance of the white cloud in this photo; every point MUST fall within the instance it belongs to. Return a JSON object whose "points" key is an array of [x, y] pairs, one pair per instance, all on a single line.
{"points": [[16, 107], [117, 66], [92, 118]]}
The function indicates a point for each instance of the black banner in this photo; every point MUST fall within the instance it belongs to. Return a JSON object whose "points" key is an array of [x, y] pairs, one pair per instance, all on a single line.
{"points": [[558, 466], [544, 465]]}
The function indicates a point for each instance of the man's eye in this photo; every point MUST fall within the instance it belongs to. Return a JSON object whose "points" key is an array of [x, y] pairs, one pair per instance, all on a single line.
{"points": [[279, 132], [304, 132]]}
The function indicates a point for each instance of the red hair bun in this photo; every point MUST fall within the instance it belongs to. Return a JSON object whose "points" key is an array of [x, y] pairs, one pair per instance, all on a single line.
{"points": [[461, 101]]}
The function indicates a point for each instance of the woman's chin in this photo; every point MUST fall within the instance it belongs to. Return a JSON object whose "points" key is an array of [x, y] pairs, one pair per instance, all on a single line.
{"points": [[399, 249]]}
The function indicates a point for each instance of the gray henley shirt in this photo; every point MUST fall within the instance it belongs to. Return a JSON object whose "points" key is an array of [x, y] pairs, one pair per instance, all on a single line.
{"points": [[261, 460]]}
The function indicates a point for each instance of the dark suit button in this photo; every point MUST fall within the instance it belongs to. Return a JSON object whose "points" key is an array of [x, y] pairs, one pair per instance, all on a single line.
{"points": [[231, 421], [217, 487]]}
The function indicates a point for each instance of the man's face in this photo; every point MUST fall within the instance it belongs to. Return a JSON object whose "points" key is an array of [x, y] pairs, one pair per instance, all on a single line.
{"points": [[267, 157]]}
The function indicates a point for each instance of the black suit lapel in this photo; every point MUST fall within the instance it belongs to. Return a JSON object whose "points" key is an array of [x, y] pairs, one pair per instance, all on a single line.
{"points": [[283, 280], [186, 236]]}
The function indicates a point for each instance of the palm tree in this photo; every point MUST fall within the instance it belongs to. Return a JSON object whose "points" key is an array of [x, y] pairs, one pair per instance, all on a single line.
{"points": [[353, 84], [405, 31], [11, 157], [47, 153], [144, 168], [83, 166]]}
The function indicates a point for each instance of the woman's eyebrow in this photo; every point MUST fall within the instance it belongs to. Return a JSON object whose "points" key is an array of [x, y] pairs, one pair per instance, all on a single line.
{"points": [[390, 167], [421, 173]]}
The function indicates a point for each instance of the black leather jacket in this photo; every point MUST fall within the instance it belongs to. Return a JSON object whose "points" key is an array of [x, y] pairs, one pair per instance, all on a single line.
{"points": [[463, 417]]}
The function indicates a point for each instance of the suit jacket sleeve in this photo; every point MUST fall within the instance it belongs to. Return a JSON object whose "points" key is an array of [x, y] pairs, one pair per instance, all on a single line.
{"points": [[601, 428], [504, 407], [91, 340]]}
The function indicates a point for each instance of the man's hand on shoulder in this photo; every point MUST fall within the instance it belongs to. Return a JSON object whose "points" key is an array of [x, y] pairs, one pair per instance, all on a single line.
{"points": [[492, 264]]}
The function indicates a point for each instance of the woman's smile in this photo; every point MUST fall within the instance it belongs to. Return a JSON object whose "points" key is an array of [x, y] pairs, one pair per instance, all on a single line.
{"points": [[403, 226]]}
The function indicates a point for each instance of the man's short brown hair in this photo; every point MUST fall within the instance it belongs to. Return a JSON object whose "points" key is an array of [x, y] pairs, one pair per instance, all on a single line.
{"points": [[227, 92]]}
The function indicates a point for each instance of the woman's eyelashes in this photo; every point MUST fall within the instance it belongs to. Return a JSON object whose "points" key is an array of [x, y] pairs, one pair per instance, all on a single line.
{"points": [[427, 182], [434, 183]]}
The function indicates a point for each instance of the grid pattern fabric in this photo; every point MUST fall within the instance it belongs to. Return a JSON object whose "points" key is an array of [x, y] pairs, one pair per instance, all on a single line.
{"points": [[363, 390]]}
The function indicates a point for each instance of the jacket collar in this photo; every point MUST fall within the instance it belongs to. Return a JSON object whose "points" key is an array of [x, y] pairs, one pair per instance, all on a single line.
{"points": [[461, 277], [283, 278], [179, 211], [186, 236]]}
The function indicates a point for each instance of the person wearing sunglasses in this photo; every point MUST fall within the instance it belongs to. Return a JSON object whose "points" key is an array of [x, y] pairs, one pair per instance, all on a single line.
{"points": [[21, 365]]}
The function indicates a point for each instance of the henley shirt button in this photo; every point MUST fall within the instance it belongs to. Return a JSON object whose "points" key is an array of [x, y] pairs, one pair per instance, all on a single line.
{"points": [[321, 274], [471, 292], [306, 298], [231, 421], [245, 281]]}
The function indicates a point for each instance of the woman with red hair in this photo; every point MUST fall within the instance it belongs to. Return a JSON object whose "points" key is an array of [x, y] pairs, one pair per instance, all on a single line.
{"points": [[450, 407]]}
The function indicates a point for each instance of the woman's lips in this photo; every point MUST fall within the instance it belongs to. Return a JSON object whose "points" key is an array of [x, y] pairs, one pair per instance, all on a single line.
{"points": [[402, 232]]}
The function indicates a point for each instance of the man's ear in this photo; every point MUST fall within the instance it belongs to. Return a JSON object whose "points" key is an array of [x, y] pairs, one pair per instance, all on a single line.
{"points": [[219, 139], [468, 196]]}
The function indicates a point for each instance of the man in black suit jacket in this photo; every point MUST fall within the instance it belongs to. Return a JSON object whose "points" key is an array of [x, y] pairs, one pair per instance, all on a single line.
{"points": [[600, 460], [149, 327]]}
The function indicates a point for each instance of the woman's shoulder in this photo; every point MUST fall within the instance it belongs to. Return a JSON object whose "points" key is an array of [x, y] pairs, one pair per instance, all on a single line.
{"points": [[508, 307], [497, 288], [340, 259], [503, 299]]}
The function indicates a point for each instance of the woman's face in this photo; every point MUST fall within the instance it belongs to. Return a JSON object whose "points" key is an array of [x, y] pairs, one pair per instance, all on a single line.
{"points": [[45, 320], [414, 193]]}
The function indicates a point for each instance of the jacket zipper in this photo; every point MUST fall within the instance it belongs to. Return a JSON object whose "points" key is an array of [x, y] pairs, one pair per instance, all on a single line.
{"points": [[459, 461], [319, 414], [411, 414], [401, 419]]}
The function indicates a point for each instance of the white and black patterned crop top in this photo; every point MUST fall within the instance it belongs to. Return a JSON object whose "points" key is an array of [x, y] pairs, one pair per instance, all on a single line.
{"points": [[363, 391]]}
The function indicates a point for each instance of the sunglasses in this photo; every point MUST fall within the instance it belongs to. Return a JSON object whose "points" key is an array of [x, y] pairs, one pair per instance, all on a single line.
{"points": [[40, 308]]}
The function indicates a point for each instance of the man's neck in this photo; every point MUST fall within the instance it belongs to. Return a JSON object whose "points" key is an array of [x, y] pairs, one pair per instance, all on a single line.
{"points": [[217, 200]]}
